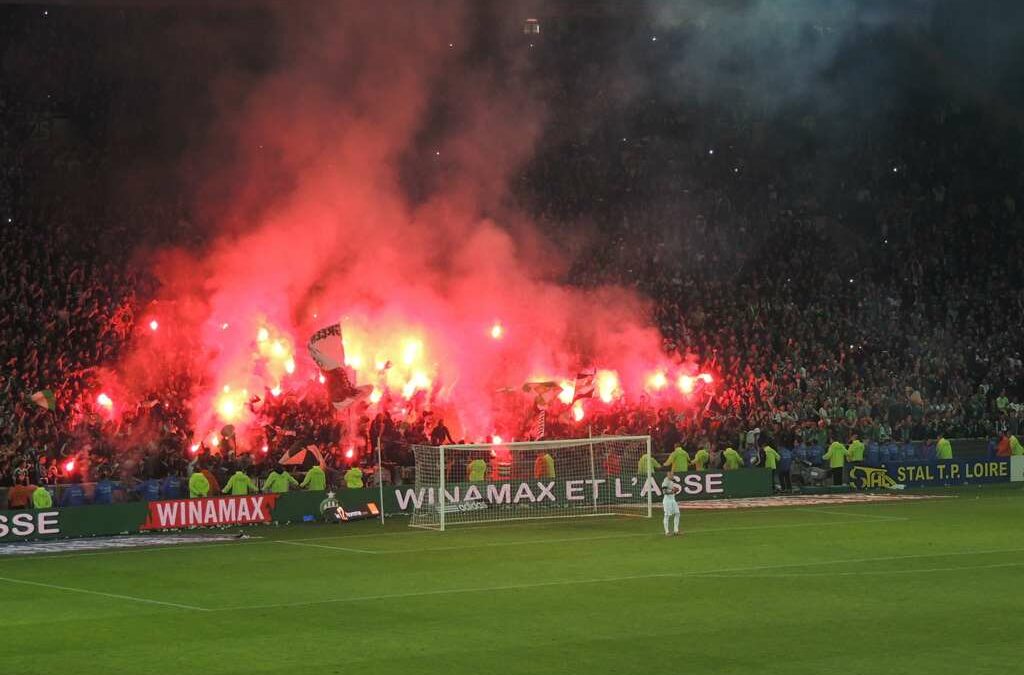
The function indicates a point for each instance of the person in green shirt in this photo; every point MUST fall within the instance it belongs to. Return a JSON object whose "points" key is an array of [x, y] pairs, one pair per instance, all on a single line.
{"points": [[1015, 446], [239, 484], [836, 456], [279, 481], [731, 459], [354, 478], [544, 466], [943, 449], [198, 485], [855, 453], [701, 459], [679, 460], [771, 461], [315, 480], [647, 465], [41, 498], [476, 470]]}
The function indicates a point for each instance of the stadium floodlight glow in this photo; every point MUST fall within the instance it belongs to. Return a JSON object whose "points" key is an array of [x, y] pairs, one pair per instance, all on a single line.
{"points": [[600, 476]]}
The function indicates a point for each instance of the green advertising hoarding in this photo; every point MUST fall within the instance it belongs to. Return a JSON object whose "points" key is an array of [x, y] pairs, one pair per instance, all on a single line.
{"points": [[297, 507]]}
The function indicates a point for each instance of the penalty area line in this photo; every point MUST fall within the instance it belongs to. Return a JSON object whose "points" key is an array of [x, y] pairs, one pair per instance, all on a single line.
{"points": [[601, 580], [333, 548], [116, 596]]}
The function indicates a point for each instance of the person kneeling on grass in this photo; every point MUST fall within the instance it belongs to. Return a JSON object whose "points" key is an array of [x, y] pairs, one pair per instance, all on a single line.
{"points": [[669, 490]]}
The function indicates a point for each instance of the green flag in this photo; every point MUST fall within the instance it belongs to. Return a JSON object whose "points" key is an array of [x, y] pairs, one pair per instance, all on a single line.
{"points": [[44, 399]]}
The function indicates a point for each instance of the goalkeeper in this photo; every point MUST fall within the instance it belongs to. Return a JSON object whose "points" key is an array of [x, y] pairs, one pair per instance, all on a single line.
{"points": [[669, 490]]}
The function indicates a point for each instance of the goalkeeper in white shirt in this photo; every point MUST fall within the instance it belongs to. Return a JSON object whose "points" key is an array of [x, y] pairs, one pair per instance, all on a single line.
{"points": [[669, 490]]}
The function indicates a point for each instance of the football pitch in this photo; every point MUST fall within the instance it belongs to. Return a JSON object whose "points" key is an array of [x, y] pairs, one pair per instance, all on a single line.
{"points": [[929, 586]]}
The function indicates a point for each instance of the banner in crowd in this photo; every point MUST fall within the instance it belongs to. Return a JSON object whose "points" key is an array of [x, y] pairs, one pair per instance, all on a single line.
{"points": [[932, 474], [1017, 468]]}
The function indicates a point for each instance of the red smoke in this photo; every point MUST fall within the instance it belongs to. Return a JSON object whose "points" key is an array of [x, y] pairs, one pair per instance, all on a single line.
{"points": [[321, 229]]}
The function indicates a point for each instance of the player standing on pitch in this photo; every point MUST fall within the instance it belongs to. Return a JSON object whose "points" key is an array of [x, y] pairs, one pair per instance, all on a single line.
{"points": [[669, 490]]}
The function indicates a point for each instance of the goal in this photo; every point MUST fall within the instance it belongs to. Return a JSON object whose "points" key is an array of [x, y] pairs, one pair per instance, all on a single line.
{"points": [[605, 475]]}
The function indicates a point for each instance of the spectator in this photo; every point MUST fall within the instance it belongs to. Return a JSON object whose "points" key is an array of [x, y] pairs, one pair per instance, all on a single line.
{"points": [[315, 480]]}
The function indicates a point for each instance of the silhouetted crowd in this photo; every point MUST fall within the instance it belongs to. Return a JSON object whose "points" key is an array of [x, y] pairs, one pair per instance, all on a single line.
{"points": [[884, 297]]}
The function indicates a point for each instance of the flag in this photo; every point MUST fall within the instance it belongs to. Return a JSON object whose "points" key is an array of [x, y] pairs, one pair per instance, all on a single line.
{"points": [[544, 392], [327, 349], [585, 384], [305, 458], [44, 399], [539, 425]]}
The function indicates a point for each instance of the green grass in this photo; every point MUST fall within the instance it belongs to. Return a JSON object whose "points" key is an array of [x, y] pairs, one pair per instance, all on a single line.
{"points": [[927, 587]]}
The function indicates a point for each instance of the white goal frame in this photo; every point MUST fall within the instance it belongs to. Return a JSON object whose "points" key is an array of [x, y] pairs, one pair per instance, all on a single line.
{"points": [[436, 515]]}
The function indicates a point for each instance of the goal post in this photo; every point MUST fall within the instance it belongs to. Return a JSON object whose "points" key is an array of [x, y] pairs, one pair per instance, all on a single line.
{"points": [[597, 476]]}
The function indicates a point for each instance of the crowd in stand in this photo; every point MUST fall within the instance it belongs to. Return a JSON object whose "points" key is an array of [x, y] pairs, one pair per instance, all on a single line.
{"points": [[887, 302]]}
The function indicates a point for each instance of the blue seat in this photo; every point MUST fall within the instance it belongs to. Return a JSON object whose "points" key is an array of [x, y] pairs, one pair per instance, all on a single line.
{"points": [[871, 455], [885, 455]]}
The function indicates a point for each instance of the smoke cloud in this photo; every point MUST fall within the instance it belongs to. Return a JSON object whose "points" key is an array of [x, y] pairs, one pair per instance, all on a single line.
{"points": [[363, 178]]}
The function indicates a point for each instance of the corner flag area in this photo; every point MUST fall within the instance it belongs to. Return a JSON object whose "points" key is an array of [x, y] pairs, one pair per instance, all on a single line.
{"points": [[934, 585]]}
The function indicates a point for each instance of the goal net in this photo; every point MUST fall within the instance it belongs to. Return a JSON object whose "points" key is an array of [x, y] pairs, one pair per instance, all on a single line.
{"points": [[598, 476]]}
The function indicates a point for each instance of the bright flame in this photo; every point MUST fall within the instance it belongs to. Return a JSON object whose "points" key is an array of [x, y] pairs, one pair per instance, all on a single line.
{"points": [[230, 404], [607, 385], [375, 396], [278, 350], [418, 381], [321, 379], [275, 392], [105, 401], [153, 325], [568, 391], [263, 335], [69, 466], [265, 449], [289, 366], [349, 453], [657, 381], [224, 326], [577, 411], [214, 440], [354, 360], [706, 378], [227, 410], [496, 439], [497, 331], [411, 350], [194, 448], [686, 384]]}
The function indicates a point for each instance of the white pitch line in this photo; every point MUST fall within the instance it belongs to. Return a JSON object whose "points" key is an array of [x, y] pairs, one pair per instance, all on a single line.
{"points": [[856, 514], [526, 542], [333, 548], [861, 573], [600, 537], [601, 580], [260, 540], [118, 596], [444, 591]]}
